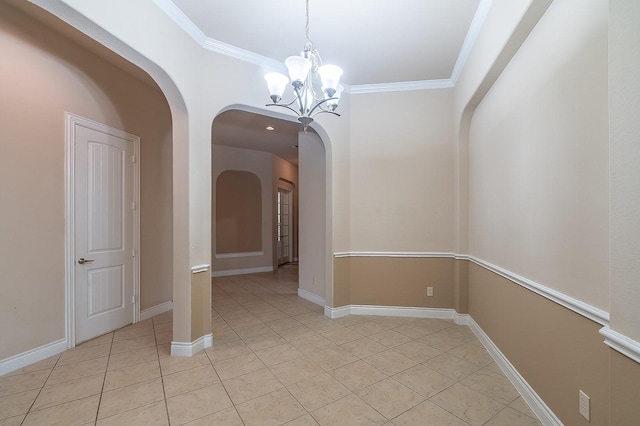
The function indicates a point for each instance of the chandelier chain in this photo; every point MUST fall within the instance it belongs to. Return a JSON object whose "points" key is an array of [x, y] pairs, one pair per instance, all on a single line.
{"points": [[307, 28]]}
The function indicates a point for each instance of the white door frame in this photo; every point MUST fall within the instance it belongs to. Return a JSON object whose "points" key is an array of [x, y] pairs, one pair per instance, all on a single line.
{"points": [[71, 122]]}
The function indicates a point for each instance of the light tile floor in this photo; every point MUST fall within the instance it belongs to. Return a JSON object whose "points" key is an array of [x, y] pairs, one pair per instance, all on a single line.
{"points": [[275, 360]]}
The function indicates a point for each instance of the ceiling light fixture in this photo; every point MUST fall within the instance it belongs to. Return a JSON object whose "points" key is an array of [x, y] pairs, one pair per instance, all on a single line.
{"points": [[304, 71], [270, 128]]}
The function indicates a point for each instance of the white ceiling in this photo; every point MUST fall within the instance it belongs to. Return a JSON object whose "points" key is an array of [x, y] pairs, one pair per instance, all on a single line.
{"points": [[374, 41]]}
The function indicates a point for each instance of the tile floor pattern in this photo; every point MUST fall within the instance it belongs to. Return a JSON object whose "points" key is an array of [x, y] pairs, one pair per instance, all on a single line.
{"points": [[275, 360]]}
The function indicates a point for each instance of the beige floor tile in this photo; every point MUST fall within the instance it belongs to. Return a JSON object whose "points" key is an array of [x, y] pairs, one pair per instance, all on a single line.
{"points": [[310, 317], [390, 338], [45, 364], [510, 417], [226, 337], [522, 406], [131, 375], [241, 322], [162, 318], [251, 385], [332, 358], [390, 398], [493, 385], [220, 352], [226, 417], [199, 403], [17, 403], [83, 353], [275, 408], [423, 380], [417, 351], [22, 382], [349, 410], [318, 391], [130, 397], [467, 404], [164, 326], [69, 391], [342, 335], [13, 421], [313, 344], [358, 375], [265, 341], [472, 354], [271, 315], [252, 331], [305, 420], [130, 359], [238, 366], [100, 340], [413, 330], [164, 337], [459, 332], [283, 323], [350, 320], [64, 373], [436, 416], [392, 322], [133, 344], [189, 380], [130, 332], [494, 367], [149, 415], [390, 362], [176, 364], [434, 324], [363, 347], [440, 341], [294, 371], [278, 354], [451, 366], [296, 333], [324, 326], [78, 412]]}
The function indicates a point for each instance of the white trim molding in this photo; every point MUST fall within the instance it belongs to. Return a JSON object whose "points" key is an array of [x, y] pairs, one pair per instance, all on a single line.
{"points": [[188, 349], [472, 34], [420, 254], [390, 311], [307, 295], [621, 343], [199, 268], [537, 405], [156, 310], [240, 254], [244, 271], [29, 357]]}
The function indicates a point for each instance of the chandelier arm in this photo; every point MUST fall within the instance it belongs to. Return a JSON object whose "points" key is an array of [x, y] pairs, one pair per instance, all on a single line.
{"points": [[324, 111], [286, 106], [319, 105]]}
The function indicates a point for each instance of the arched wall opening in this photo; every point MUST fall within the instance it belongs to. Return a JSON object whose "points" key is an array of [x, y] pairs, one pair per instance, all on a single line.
{"points": [[312, 194]]}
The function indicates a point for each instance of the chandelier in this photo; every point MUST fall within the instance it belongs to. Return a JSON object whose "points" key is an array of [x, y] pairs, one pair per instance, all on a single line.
{"points": [[305, 71]]}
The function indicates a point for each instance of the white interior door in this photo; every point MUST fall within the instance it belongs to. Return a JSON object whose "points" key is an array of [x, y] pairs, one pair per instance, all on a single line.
{"points": [[103, 232]]}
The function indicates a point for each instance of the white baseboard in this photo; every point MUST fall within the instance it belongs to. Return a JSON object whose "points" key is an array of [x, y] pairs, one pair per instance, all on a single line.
{"points": [[307, 295], [462, 319], [389, 311], [19, 361], [187, 349], [537, 405], [231, 272], [156, 310]]}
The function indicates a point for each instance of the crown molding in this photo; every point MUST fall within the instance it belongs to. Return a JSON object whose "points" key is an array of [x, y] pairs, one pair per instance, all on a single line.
{"points": [[174, 12]]}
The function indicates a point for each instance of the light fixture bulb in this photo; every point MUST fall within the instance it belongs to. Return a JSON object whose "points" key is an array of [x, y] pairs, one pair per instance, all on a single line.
{"points": [[330, 76], [276, 83], [298, 69]]}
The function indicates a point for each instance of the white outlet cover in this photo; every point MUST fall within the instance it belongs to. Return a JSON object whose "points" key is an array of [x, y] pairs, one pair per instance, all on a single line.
{"points": [[584, 405]]}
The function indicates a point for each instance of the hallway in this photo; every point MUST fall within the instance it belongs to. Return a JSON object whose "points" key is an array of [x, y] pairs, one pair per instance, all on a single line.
{"points": [[276, 359]]}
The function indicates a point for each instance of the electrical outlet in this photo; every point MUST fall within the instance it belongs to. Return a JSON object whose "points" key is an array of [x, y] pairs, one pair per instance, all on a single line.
{"points": [[585, 405], [429, 291]]}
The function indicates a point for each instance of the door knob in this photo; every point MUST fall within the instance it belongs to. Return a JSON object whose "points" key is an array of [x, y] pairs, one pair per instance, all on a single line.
{"points": [[82, 260]]}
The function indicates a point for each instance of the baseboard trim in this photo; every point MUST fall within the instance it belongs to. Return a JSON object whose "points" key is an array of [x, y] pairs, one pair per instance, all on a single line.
{"points": [[307, 295], [537, 405], [462, 319], [621, 343], [186, 349], [24, 359], [156, 310], [389, 311], [419, 254], [244, 271]]}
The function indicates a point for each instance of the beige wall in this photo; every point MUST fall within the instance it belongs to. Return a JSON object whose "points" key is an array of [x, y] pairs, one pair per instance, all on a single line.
{"points": [[43, 75], [238, 214], [401, 179], [538, 148]]}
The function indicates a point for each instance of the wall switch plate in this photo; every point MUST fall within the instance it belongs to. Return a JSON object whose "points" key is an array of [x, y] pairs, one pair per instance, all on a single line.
{"points": [[585, 405], [429, 291]]}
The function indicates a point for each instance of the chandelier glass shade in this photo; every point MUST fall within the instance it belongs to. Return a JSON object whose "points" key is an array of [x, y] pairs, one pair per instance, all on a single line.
{"points": [[316, 87]]}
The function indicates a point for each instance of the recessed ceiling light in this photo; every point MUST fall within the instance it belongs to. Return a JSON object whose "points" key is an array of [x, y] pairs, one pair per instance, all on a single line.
{"points": [[270, 128]]}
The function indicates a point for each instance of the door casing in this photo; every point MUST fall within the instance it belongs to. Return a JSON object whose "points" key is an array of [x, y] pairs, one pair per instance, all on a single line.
{"points": [[71, 123]]}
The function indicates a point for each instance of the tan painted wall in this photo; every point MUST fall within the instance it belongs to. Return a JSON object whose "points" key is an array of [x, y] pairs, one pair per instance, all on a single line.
{"points": [[238, 214], [538, 148], [402, 171], [557, 351], [43, 75], [394, 281]]}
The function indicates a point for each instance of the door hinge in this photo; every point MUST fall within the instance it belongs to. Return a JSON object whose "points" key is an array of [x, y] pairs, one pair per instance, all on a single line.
{"points": [[133, 252], [133, 159], [133, 205], [133, 299]]}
